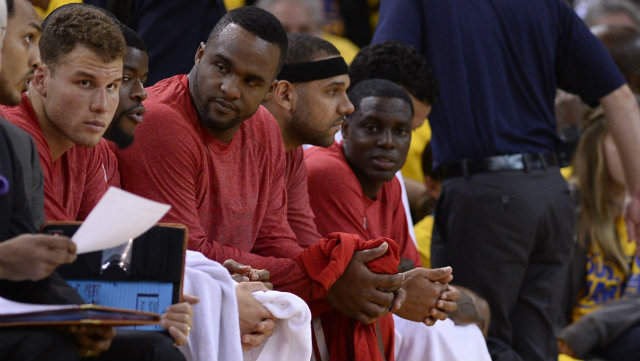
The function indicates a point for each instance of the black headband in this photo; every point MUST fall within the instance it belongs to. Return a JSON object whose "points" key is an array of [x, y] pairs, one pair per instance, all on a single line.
{"points": [[314, 70]]}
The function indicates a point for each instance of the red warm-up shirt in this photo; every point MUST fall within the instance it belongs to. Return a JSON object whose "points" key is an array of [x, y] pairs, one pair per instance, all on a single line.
{"points": [[299, 213], [339, 204], [232, 197], [73, 183]]}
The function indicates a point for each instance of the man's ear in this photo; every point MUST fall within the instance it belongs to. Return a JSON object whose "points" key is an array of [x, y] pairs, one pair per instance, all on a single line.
{"points": [[40, 79], [285, 95], [200, 52]]}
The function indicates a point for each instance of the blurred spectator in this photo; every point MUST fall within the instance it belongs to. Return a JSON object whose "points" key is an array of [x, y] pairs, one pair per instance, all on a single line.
{"points": [[610, 12], [307, 17]]}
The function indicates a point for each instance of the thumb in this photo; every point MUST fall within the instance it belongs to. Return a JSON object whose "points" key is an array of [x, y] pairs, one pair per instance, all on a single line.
{"points": [[191, 299], [369, 255], [234, 267], [442, 274]]}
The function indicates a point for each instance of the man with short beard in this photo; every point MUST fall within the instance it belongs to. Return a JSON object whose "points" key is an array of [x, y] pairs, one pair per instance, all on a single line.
{"points": [[130, 110]]}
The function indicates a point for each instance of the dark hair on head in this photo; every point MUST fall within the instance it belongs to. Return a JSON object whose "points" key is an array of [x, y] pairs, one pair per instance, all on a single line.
{"points": [[131, 38], [623, 44], [304, 48], [400, 63], [260, 23], [75, 25], [377, 88], [11, 8]]}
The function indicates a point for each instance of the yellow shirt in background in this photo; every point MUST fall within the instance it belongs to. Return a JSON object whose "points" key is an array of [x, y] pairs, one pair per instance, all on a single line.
{"points": [[232, 4], [423, 231], [54, 4], [412, 168]]}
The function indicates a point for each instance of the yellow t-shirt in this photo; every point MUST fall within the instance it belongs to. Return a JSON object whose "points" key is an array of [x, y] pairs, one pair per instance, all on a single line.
{"points": [[412, 168], [605, 281], [54, 4], [423, 231], [232, 4]]}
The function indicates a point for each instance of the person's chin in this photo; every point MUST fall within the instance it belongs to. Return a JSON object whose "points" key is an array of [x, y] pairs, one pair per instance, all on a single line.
{"points": [[221, 124], [88, 142], [326, 142]]}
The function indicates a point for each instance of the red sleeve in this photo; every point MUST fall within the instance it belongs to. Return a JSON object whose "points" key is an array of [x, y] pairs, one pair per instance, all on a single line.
{"points": [[164, 164], [275, 237], [408, 249], [299, 213]]}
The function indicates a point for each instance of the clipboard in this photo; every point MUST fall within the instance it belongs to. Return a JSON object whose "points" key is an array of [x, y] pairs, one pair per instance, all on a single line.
{"points": [[153, 280], [58, 315]]}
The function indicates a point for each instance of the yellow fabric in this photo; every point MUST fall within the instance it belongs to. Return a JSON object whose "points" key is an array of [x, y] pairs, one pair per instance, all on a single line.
{"points": [[566, 172], [605, 281], [412, 168], [54, 4], [563, 357], [232, 4], [423, 231], [347, 49]]}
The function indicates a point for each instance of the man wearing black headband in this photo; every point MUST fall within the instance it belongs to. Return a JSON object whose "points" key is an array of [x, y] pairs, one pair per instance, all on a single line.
{"points": [[309, 104]]}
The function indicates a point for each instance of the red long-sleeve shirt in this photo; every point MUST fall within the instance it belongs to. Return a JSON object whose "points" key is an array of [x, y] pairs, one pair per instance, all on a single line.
{"points": [[339, 204], [74, 183], [231, 197], [299, 213]]}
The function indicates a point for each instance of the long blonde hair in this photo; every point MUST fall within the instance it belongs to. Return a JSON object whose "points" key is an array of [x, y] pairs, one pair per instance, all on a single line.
{"points": [[598, 213]]}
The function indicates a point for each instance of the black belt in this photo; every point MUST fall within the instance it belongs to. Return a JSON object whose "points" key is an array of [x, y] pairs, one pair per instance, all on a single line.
{"points": [[468, 167]]}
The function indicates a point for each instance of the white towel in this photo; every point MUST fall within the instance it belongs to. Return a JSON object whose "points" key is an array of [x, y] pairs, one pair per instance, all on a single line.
{"points": [[416, 341], [291, 338], [215, 335]]}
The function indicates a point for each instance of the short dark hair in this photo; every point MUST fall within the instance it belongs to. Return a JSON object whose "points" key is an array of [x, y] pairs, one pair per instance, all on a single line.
{"points": [[260, 23], [79, 24], [400, 63], [11, 8], [131, 38], [303, 48], [377, 88]]}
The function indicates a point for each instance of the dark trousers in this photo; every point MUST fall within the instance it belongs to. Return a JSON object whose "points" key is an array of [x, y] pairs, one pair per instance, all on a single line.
{"points": [[36, 345], [43, 345], [508, 237]]}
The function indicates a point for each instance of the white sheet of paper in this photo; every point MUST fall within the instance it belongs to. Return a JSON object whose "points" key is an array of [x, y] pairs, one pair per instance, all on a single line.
{"points": [[8, 307], [118, 216]]}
